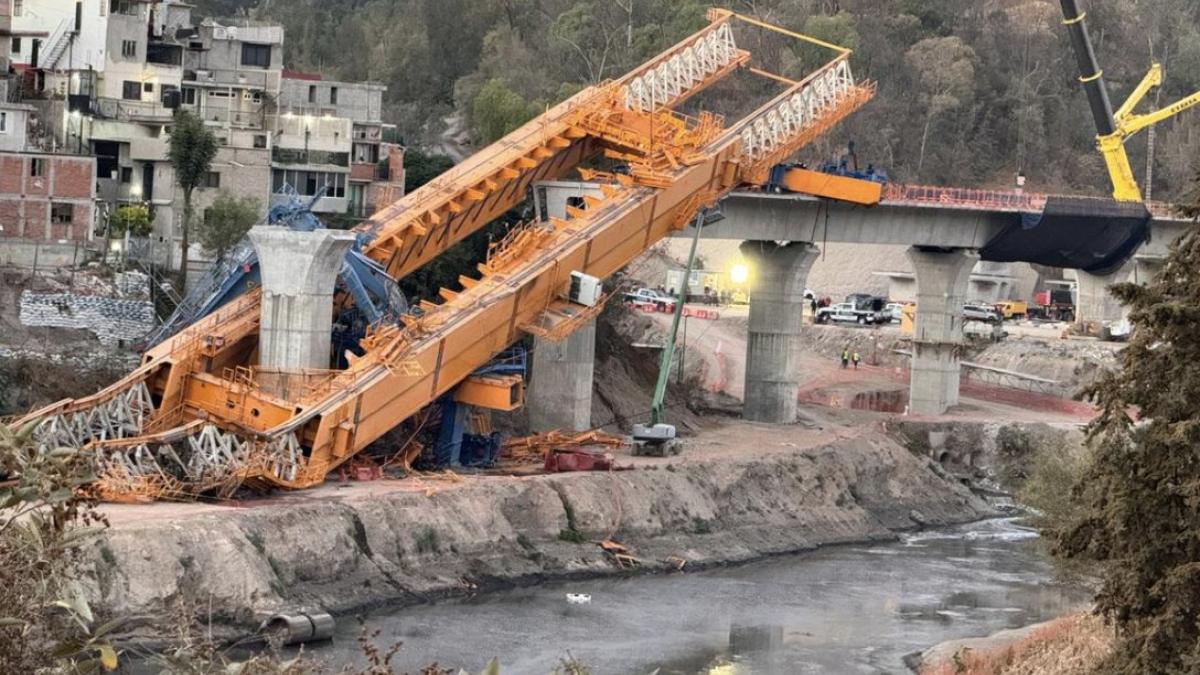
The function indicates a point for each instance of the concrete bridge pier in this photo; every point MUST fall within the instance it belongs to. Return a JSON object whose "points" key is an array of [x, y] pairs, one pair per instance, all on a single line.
{"points": [[942, 279], [1093, 302], [560, 386], [778, 274], [299, 271]]}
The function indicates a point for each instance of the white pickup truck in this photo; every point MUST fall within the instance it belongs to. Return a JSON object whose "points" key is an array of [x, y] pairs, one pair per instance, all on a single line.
{"points": [[845, 312], [648, 296]]}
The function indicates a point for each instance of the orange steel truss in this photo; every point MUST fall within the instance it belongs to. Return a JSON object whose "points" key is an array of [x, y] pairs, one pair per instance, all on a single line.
{"points": [[197, 416]]}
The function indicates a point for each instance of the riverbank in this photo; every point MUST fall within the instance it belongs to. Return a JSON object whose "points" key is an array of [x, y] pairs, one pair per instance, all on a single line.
{"points": [[745, 492], [1076, 643]]}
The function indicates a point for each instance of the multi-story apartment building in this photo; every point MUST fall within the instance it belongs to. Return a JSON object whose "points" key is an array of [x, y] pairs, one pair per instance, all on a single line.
{"points": [[47, 199], [110, 74]]}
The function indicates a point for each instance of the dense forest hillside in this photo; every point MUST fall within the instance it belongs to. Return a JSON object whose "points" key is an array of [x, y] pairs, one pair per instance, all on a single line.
{"points": [[970, 91]]}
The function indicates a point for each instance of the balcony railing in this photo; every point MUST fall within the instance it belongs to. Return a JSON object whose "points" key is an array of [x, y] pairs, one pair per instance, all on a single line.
{"points": [[297, 156], [116, 108]]}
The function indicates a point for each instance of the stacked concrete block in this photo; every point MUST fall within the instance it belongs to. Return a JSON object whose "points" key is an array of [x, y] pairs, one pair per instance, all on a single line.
{"points": [[112, 320]]}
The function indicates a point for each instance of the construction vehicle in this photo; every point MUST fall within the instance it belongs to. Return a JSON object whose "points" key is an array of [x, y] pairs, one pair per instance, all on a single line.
{"points": [[840, 180], [1114, 128], [658, 438], [1012, 309], [1054, 305], [200, 416]]}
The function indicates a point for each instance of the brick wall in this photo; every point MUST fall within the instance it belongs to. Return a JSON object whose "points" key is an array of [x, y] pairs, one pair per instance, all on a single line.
{"points": [[25, 199]]}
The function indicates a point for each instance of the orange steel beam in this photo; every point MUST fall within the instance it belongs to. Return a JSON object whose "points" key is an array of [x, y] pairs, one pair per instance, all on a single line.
{"points": [[186, 415]]}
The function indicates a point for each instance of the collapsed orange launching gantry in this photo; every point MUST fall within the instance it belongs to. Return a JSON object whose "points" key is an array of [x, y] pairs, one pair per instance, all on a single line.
{"points": [[198, 415]]}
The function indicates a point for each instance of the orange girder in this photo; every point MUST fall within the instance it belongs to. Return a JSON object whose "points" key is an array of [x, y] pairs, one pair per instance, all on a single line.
{"points": [[194, 391]]}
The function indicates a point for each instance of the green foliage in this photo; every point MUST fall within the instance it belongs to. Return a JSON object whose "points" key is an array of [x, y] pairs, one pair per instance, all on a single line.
{"points": [[131, 218], [421, 167], [498, 110], [226, 222], [45, 620], [1053, 467], [191, 149], [1141, 496]]}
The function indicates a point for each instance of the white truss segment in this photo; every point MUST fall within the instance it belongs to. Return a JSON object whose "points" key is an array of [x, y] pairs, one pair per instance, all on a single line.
{"points": [[676, 76], [205, 457], [122, 416], [775, 127]]}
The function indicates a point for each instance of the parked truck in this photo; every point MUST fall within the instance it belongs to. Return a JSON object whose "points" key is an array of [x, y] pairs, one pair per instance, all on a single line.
{"points": [[1057, 305], [860, 308]]}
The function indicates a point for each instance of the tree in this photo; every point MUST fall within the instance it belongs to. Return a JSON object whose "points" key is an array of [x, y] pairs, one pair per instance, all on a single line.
{"points": [[192, 149], [226, 222], [421, 167], [131, 218], [498, 110], [1142, 492], [945, 67]]}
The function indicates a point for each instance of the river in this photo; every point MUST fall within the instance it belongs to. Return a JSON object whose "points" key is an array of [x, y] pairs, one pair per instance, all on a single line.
{"points": [[844, 609]]}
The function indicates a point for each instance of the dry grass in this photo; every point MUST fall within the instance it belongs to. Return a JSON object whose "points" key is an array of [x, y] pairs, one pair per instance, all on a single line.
{"points": [[1072, 645]]}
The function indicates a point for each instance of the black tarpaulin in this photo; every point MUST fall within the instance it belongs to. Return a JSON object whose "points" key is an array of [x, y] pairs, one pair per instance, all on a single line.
{"points": [[1093, 235]]}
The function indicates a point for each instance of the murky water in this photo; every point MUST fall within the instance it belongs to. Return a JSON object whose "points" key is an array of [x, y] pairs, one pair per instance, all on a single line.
{"points": [[852, 609]]}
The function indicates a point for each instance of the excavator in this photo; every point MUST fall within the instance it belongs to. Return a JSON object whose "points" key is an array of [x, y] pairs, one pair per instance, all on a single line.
{"points": [[199, 416]]}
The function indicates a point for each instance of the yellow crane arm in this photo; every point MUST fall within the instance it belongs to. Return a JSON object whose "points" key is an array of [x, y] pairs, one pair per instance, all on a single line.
{"points": [[1152, 79], [1135, 123]]}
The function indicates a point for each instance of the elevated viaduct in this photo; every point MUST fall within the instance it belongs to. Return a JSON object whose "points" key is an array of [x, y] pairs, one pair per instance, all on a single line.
{"points": [[948, 231]]}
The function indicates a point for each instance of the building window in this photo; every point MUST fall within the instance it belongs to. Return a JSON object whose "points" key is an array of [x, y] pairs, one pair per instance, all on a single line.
{"points": [[127, 174], [37, 167], [213, 180], [258, 56], [148, 87], [3, 122], [260, 140], [312, 93], [333, 96], [129, 48], [189, 96], [60, 213], [16, 45], [131, 91], [308, 183], [127, 7], [18, 7]]}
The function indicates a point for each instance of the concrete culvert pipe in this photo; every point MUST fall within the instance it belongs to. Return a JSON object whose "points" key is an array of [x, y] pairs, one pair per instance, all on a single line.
{"points": [[300, 627]]}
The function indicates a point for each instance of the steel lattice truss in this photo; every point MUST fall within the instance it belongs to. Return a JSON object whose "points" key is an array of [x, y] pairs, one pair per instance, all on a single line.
{"points": [[790, 117], [679, 75], [203, 457], [121, 416]]}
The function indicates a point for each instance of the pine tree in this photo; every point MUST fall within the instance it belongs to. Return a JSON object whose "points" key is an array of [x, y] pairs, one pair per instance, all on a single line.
{"points": [[1142, 523]]}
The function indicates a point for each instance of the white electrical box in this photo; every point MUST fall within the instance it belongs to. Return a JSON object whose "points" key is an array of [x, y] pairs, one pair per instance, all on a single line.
{"points": [[585, 289]]}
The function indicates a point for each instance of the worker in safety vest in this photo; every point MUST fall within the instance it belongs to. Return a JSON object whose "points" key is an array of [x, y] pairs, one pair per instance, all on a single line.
{"points": [[856, 360], [845, 358]]}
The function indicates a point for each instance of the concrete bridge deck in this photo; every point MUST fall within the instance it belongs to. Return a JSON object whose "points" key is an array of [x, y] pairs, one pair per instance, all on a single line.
{"points": [[945, 229]]}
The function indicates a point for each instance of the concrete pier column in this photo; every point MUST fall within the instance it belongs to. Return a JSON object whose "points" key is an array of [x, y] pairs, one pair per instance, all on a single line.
{"points": [[777, 277], [942, 281], [299, 270], [1093, 301], [560, 387]]}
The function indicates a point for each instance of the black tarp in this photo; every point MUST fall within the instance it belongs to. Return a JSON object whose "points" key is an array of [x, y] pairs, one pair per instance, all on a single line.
{"points": [[1093, 235]]}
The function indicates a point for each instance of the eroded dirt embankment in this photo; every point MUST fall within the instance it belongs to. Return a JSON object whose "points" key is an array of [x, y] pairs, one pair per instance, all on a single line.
{"points": [[394, 542]]}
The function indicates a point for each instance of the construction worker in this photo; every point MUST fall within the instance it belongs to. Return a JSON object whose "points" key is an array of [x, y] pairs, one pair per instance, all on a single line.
{"points": [[845, 358], [856, 359]]}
